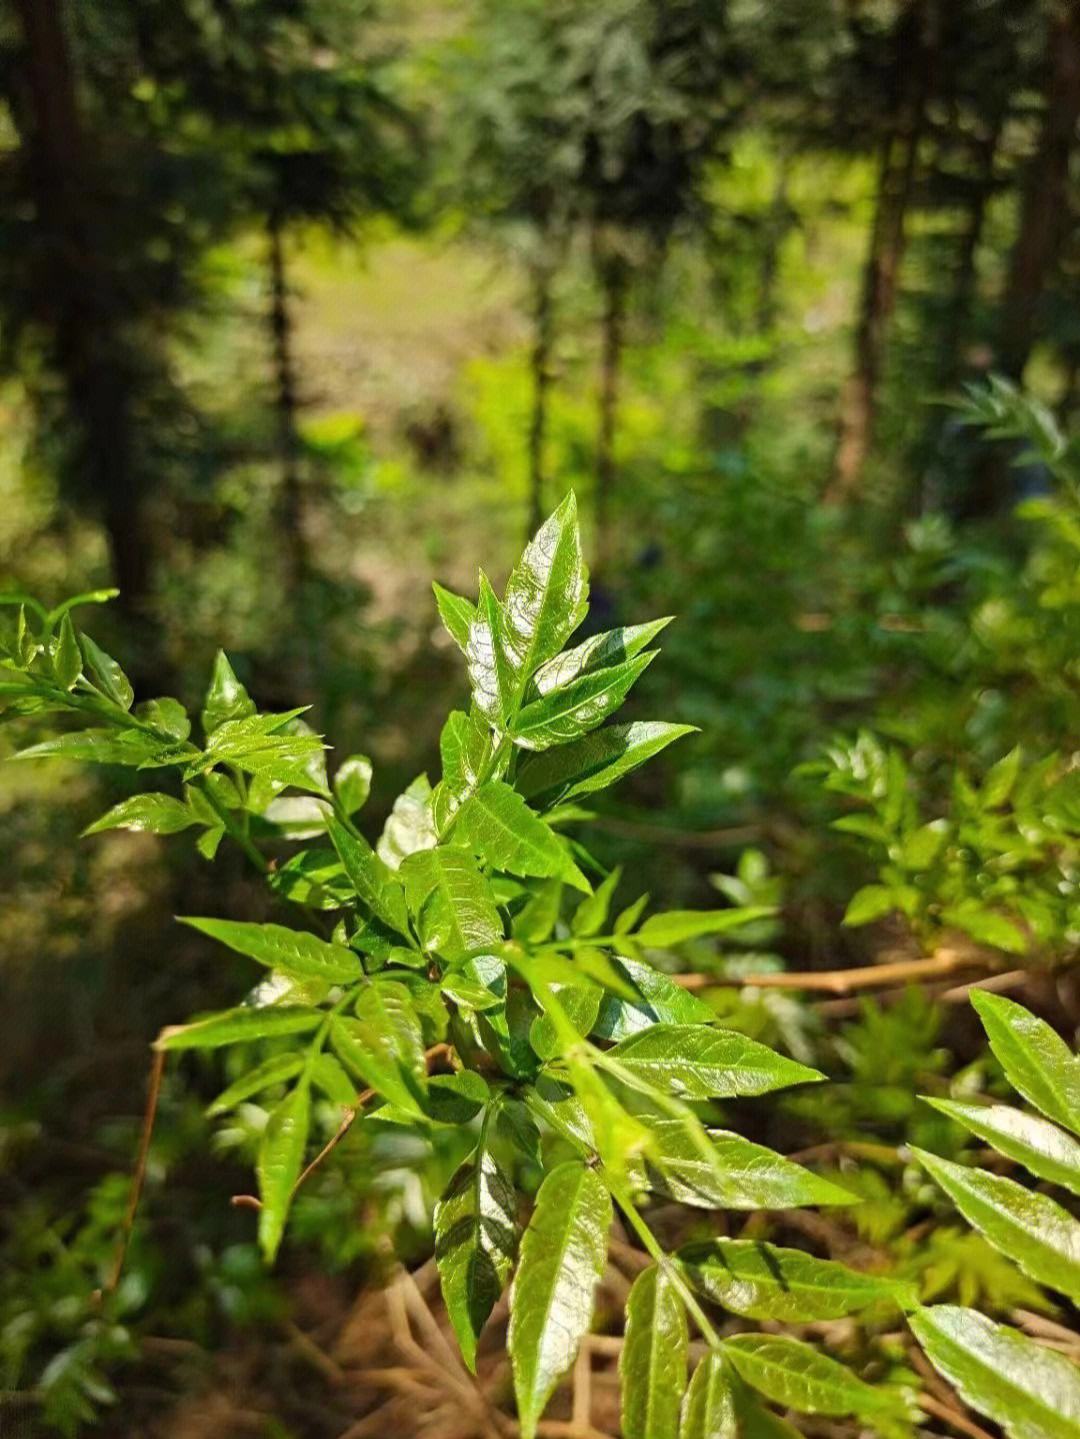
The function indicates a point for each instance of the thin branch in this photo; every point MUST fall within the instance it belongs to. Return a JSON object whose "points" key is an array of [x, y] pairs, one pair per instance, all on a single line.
{"points": [[845, 981], [138, 1178], [953, 1417]]}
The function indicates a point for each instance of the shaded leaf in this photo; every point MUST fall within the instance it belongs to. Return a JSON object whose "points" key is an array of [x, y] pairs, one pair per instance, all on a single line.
{"points": [[596, 761], [281, 1158]]}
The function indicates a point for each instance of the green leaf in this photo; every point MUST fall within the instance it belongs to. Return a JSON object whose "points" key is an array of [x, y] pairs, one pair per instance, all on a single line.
{"points": [[1036, 1060], [226, 699], [239, 1026], [591, 914], [652, 1365], [457, 1098], [352, 782], [111, 679], [1031, 1391], [661, 1000], [329, 1076], [167, 715], [67, 658], [154, 813], [451, 902], [763, 1281], [489, 673], [275, 1070], [1000, 778], [679, 925], [755, 1421], [507, 835], [102, 746], [281, 1157], [546, 595], [465, 747], [986, 926], [457, 614], [873, 901], [729, 1173], [569, 713], [384, 1045], [1038, 1145], [580, 1007], [597, 652], [291, 951], [598, 760], [537, 918], [922, 846], [1028, 1228], [410, 826], [374, 882], [708, 1411], [797, 1376], [694, 1062], [264, 747], [476, 1240], [563, 1254]]}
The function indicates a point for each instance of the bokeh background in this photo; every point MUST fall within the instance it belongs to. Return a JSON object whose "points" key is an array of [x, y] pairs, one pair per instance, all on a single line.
{"points": [[304, 303]]}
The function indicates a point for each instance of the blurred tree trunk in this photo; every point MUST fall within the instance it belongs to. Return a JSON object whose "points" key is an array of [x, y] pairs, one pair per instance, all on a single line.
{"points": [[540, 365], [1045, 204], [881, 272], [290, 507], [982, 186], [613, 280], [75, 296]]}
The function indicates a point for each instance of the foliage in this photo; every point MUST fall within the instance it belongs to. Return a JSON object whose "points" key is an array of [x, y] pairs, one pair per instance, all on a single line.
{"points": [[1027, 1389], [454, 990]]}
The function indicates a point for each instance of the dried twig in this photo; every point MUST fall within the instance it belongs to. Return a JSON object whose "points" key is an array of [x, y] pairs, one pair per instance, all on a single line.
{"points": [[138, 1178], [844, 981]]}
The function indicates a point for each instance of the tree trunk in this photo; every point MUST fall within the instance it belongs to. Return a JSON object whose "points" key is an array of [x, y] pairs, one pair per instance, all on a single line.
{"points": [[958, 325], [290, 507], [1045, 204], [540, 365], [614, 283], [75, 294], [881, 273]]}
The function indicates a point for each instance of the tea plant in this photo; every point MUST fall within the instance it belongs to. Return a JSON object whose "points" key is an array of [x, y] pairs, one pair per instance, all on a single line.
{"points": [[469, 973]]}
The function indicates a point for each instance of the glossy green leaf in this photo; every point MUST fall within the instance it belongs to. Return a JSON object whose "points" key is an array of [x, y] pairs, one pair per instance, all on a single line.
{"points": [[281, 1158], [457, 614], [263, 746], [275, 1070], [563, 1253], [239, 1026], [504, 831], [679, 925], [67, 658], [226, 698], [695, 1062], [1029, 1228], [597, 652], [797, 1376], [457, 1098], [384, 1045], [108, 676], [292, 951], [378, 887], [1036, 1060], [476, 1241], [546, 595], [352, 782], [102, 746], [153, 813], [659, 1000], [598, 760], [489, 673], [410, 826], [579, 1005], [451, 902], [730, 1173], [166, 715], [708, 1411], [1031, 1391], [465, 747], [763, 1281], [567, 714], [1041, 1147], [652, 1365]]}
